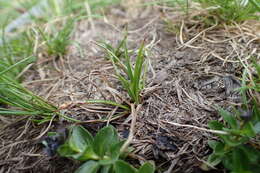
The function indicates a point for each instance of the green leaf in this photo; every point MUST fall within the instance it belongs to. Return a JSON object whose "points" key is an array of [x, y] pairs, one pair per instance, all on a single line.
{"points": [[126, 84], [219, 149], [124, 167], [65, 150], [251, 154], [229, 118], [215, 125], [80, 139], [113, 154], [121, 44], [86, 155], [213, 144], [239, 161], [29, 59], [138, 72], [52, 133], [249, 130], [257, 5], [232, 132], [214, 160], [18, 112], [227, 161], [128, 63], [256, 110], [105, 169], [105, 138], [115, 149], [257, 128], [147, 168], [112, 56], [232, 141], [88, 167], [108, 102]]}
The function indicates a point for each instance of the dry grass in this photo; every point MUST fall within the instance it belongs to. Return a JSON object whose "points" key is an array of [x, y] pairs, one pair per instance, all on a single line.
{"points": [[190, 72]]}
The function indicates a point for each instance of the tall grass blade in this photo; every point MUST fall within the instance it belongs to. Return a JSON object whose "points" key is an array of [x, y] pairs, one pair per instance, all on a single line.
{"points": [[138, 72], [108, 102], [25, 60]]}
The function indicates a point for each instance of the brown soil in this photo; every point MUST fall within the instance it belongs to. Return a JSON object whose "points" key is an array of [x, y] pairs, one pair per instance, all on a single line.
{"points": [[192, 69]]}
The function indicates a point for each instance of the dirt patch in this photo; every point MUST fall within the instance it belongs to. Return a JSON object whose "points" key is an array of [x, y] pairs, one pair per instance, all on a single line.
{"points": [[190, 73]]}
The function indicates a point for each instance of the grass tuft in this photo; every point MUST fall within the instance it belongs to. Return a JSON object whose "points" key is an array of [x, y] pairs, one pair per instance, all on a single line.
{"points": [[232, 10], [21, 101], [58, 40], [131, 76]]}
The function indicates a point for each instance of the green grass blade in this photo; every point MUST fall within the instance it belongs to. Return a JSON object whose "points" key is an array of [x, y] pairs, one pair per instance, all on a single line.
{"points": [[13, 112], [115, 60], [108, 102], [256, 4], [128, 63], [29, 59], [127, 85], [138, 71], [118, 49]]}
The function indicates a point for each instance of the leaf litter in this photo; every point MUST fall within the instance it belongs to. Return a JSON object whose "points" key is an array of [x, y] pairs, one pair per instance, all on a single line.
{"points": [[190, 72]]}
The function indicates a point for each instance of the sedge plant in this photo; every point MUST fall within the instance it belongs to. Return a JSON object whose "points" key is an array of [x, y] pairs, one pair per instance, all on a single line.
{"points": [[57, 41], [130, 76], [15, 99], [13, 94], [18, 100], [129, 73], [15, 50]]}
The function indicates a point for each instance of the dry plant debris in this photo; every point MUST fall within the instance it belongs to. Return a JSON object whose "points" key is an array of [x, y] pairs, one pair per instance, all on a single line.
{"points": [[190, 72]]}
